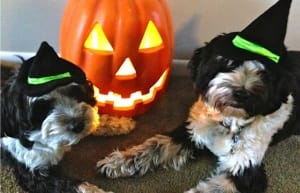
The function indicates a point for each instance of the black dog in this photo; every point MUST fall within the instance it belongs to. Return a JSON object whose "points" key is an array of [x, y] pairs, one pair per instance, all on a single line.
{"points": [[46, 107], [249, 96]]}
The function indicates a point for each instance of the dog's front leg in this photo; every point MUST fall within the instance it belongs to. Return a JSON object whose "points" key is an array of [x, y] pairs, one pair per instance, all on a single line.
{"points": [[170, 150], [37, 156], [32, 159]]}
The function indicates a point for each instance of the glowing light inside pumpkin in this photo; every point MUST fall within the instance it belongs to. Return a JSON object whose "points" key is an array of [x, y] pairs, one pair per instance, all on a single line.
{"points": [[151, 38], [97, 40], [126, 71], [120, 103]]}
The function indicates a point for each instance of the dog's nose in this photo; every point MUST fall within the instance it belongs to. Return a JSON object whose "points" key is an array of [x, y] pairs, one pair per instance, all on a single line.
{"points": [[241, 94], [76, 127]]}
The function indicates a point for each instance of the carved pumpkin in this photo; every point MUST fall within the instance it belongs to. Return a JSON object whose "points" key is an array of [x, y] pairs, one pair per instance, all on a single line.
{"points": [[125, 48]]}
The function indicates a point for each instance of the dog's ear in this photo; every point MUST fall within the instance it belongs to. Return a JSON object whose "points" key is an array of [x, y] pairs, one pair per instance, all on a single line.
{"points": [[194, 63], [200, 57], [39, 111], [204, 65]]}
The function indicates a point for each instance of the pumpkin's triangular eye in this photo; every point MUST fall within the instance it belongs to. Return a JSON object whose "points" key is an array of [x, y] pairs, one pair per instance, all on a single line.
{"points": [[151, 39], [97, 40]]}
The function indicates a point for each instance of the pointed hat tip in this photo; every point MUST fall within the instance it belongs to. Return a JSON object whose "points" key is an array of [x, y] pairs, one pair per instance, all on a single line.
{"points": [[265, 33], [269, 29], [46, 71]]}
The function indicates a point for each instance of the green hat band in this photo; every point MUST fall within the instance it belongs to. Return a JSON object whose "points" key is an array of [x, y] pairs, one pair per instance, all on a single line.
{"points": [[242, 43], [45, 79]]}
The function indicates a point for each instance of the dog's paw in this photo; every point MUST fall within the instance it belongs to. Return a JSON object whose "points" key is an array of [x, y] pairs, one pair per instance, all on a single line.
{"points": [[90, 188], [137, 160], [114, 125], [116, 165]]}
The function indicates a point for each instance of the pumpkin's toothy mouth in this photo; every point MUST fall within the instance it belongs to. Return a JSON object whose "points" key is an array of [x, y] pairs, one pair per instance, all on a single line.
{"points": [[125, 104]]}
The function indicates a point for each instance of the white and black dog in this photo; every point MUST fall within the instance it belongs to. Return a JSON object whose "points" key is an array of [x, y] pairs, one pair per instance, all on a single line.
{"points": [[46, 107], [248, 97]]}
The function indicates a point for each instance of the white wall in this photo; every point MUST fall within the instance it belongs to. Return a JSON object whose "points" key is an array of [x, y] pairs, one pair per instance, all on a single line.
{"points": [[199, 21], [25, 23]]}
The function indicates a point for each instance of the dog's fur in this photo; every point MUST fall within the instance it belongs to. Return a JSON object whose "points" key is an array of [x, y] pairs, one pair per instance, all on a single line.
{"points": [[37, 131], [242, 107]]}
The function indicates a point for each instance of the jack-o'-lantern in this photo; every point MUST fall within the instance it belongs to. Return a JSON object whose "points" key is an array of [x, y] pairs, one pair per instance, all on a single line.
{"points": [[125, 48]]}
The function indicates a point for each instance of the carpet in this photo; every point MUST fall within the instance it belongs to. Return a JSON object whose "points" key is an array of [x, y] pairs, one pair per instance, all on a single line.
{"points": [[282, 161]]}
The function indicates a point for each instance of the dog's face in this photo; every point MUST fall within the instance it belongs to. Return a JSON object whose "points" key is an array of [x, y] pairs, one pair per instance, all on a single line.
{"points": [[237, 88], [67, 111], [62, 116]]}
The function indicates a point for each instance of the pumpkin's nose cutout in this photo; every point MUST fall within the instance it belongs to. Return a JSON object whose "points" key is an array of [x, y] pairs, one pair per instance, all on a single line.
{"points": [[126, 71]]}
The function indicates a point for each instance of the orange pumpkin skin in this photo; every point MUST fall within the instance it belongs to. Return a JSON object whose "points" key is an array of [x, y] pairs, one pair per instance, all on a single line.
{"points": [[124, 23]]}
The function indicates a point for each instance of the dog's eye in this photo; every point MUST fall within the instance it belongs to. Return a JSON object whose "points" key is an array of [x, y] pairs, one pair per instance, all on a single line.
{"points": [[231, 64], [262, 73], [39, 111], [225, 124], [81, 94], [227, 65], [74, 91]]}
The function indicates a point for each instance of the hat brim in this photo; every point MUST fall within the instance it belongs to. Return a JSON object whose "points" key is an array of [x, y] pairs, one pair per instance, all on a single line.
{"points": [[77, 76], [222, 45]]}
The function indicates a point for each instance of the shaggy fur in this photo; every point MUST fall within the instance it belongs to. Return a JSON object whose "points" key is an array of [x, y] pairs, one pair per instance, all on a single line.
{"points": [[242, 107], [37, 131]]}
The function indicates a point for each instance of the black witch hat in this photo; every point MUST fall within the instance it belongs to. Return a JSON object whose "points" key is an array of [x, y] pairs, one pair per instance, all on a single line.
{"points": [[45, 71], [263, 39]]}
